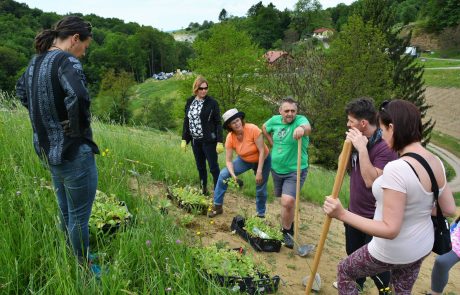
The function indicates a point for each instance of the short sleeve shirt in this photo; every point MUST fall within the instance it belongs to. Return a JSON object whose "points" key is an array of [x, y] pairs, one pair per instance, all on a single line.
{"points": [[284, 151], [416, 236], [247, 148]]}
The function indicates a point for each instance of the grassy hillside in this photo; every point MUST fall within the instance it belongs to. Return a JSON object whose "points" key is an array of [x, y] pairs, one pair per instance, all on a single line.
{"points": [[146, 258]]}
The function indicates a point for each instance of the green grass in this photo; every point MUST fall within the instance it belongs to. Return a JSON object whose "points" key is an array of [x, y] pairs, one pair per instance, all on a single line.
{"points": [[34, 255], [442, 78], [447, 142]]}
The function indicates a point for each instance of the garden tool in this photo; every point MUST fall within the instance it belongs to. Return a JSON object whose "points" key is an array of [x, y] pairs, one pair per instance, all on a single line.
{"points": [[302, 250], [343, 162]]}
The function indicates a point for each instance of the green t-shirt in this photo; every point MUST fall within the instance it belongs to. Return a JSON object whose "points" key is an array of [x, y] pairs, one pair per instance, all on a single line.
{"points": [[284, 150]]}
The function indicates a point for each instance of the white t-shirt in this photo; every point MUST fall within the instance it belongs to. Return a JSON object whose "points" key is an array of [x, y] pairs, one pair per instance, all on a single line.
{"points": [[416, 237]]}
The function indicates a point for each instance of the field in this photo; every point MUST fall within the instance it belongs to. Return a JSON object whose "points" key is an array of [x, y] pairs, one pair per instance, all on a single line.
{"points": [[445, 109]]}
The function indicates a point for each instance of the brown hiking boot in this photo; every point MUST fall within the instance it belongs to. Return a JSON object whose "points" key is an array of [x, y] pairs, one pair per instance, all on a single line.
{"points": [[216, 210]]}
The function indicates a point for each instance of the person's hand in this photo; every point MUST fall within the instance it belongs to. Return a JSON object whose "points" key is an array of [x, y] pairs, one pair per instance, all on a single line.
{"points": [[298, 132], [183, 145], [66, 127], [358, 140], [219, 147], [259, 178], [333, 208]]}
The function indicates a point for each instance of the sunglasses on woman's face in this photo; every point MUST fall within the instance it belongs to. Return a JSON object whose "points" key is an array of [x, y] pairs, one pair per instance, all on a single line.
{"points": [[202, 88]]}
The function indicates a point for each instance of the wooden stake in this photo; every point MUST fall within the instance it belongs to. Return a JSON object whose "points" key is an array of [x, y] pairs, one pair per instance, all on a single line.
{"points": [[343, 162]]}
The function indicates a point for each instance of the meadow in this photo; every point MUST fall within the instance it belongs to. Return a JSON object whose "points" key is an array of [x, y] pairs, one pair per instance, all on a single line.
{"points": [[151, 256]]}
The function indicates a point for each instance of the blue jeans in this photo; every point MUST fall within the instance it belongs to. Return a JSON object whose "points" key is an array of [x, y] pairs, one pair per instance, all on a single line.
{"points": [[206, 151], [75, 183], [240, 166]]}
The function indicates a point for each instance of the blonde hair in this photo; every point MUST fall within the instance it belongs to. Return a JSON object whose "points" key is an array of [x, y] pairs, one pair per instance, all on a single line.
{"points": [[198, 81]]}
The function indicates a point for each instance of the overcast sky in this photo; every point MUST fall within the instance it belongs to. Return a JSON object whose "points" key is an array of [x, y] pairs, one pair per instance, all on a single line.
{"points": [[164, 15]]}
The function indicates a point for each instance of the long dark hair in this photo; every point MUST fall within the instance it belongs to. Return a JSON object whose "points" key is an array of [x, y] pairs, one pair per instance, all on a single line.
{"points": [[68, 26]]}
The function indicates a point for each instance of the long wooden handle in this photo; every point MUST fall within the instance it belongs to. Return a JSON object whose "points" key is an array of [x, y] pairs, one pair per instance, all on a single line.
{"points": [[297, 192], [343, 162]]}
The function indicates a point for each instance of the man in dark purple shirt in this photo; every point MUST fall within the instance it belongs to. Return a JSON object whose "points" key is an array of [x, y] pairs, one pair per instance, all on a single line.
{"points": [[369, 157]]}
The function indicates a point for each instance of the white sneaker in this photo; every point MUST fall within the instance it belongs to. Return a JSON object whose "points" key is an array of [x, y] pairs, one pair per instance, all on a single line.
{"points": [[334, 284]]}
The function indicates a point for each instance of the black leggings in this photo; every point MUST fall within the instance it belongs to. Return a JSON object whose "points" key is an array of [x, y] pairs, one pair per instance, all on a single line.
{"points": [[206, 151], [354, 240]]}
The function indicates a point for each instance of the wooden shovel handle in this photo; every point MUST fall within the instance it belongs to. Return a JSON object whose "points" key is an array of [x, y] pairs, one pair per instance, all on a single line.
{"points": [[297, 191], [343, 162]]}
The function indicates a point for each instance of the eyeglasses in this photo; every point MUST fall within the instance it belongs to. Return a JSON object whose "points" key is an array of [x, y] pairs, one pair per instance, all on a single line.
{"points": [[202, 88], [384, 105]]}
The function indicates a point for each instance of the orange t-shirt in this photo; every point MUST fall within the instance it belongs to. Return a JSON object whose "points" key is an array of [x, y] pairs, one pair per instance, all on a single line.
{"points": [[247, 148]]}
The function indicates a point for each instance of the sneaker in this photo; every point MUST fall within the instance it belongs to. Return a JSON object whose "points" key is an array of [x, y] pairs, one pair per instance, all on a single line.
{"points": [[96, 270], [334, 284], [288, 240], [261, 215]]}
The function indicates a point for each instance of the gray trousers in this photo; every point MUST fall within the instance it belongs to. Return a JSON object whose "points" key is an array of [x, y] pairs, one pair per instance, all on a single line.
{"points": [[440, 272]]}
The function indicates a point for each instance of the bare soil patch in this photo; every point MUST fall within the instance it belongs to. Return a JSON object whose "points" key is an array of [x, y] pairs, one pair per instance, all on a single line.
{"points": [[445, 109], [290, 267]]}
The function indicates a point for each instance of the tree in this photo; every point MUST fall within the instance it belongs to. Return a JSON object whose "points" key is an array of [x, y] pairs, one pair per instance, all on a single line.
{"points": [[357, 66], [230, 61], [10, 62], [407, 75], [306, 15], [223, 15], [112, 102]]}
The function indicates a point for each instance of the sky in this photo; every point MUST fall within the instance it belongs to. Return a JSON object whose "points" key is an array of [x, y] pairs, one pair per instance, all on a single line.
{"points": [[165, 15]]}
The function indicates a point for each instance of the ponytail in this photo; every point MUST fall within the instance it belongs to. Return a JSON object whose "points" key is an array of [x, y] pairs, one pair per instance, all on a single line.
{"points": [[68, 26]]}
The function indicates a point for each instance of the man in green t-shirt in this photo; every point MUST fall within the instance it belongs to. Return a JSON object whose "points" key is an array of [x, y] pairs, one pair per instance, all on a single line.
{"points": [[282, 132]]}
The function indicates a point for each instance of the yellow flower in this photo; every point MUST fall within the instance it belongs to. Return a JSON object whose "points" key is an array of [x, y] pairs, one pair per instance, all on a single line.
{"points": [[198, 233], [107, 151], [104, 154], [211, 222]]}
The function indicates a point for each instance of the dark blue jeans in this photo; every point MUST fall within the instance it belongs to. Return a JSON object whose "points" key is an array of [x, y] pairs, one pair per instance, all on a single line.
{"points": [[239, 167], [75, 183], [206, 151]]}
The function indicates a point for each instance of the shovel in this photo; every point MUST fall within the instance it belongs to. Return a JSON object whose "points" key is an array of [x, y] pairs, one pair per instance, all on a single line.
{"points": [[302, 250]]}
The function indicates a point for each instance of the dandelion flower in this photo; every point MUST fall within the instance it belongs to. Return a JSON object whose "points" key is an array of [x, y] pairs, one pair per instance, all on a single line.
{"points": [[198, 233], [104, 154], [211, 222]]}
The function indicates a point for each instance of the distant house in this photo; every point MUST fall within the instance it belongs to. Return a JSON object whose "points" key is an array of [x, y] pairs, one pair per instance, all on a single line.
{"points": [[323, 33], [273, 56]]}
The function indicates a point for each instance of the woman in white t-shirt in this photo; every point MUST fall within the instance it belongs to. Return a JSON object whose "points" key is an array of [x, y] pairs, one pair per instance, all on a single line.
{"points": [[402, 228]]}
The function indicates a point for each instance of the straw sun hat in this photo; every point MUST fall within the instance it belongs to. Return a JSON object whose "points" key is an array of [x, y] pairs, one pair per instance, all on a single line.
{"points": [[231, 115]]}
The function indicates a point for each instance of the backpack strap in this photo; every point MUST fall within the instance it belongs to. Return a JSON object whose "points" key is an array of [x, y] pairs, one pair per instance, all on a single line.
{"points": [[434, 184]]}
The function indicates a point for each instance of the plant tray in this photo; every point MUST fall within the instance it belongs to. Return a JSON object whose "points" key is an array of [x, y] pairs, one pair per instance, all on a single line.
{"points": [[259, 244], [261, 284], [201, 209], [108, 229]]}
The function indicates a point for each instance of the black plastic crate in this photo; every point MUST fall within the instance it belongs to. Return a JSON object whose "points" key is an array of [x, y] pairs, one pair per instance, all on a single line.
{"points": [[259, 244], [261, 284], [201, 209]]}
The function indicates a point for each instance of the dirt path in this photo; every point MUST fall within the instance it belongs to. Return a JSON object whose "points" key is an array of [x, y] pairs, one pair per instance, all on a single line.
{"points": [[290, 267], [453, 161]]}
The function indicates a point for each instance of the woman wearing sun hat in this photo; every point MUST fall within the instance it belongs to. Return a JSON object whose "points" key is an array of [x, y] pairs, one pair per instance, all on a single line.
{"points": [[246, 140]]}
